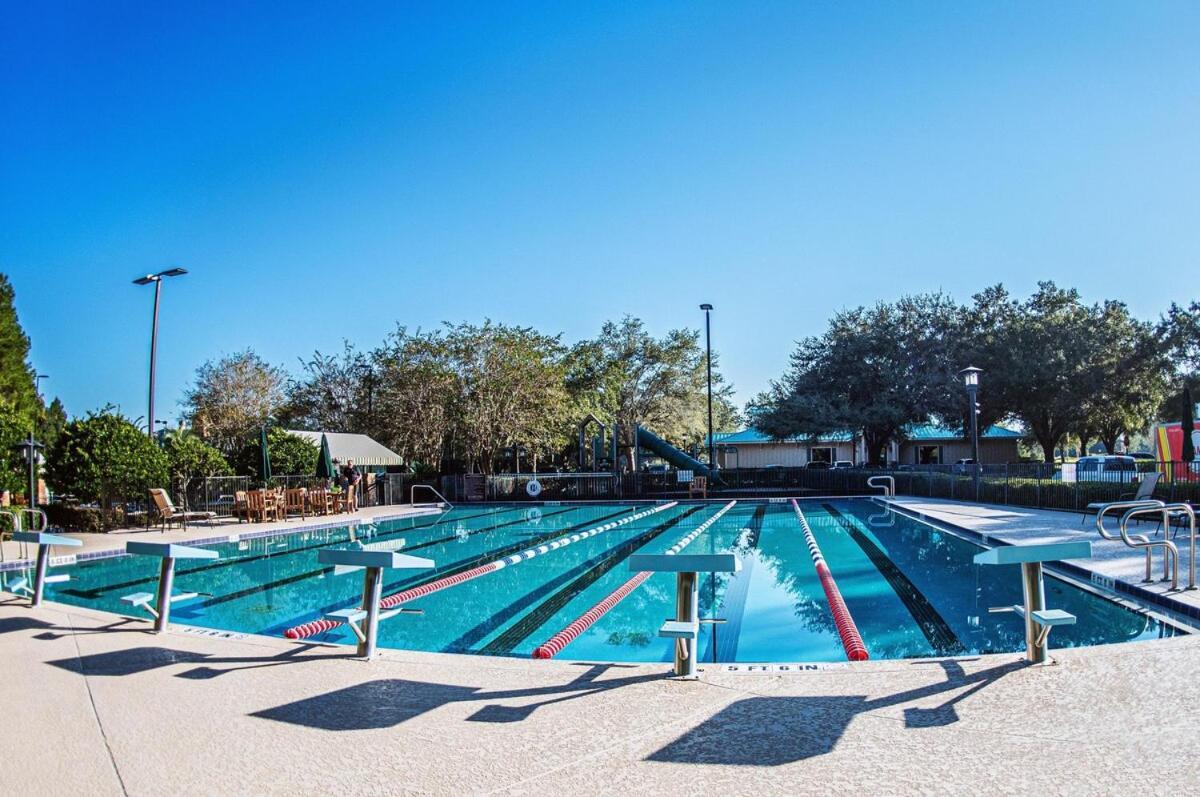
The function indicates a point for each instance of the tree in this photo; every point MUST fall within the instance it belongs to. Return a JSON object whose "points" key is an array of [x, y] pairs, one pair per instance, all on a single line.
{"points": [[334, 393], [628, 376], [414, 393], [875, 370], [291, 455], [16, 376], [14, 472], [51, 422], [1188, 425], [509, 390], [232, 397], [189, 457], [105, 458]]}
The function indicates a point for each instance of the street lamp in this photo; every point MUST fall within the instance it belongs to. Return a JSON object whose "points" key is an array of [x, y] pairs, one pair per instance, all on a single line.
{"points": [[707, 308], [157, 280], [970, 377], [29, 449]]}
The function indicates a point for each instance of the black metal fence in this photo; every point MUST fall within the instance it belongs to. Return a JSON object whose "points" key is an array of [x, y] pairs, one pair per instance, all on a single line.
{"points": [[1035, 485]]}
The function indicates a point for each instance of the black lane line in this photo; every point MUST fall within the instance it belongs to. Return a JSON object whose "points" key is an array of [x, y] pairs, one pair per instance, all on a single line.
{"points": [[453, 569], [935, 628], [95, 593], [726, 635], [597, 567], [219, 599]]}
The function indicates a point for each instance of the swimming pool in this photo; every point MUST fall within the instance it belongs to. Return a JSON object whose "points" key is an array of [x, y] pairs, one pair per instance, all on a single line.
{"points": [[912, 588]]}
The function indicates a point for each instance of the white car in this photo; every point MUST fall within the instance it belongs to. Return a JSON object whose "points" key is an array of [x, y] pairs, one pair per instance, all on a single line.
{"points": [[843, 464]]}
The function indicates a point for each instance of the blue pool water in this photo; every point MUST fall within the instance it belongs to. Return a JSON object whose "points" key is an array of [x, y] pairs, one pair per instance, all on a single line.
{"points": [[912, 589]]}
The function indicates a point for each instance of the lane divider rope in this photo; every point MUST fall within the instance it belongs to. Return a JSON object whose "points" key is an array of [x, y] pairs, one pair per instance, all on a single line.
{"points": [[305, 630], [851, 640], [554, 645]]}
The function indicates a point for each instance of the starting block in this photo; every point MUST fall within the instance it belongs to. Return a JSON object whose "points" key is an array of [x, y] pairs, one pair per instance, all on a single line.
{"points": [[43, 541], [364, 620], [168, 552]]}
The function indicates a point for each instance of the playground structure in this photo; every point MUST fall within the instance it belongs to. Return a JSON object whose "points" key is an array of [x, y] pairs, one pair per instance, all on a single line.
{"points": [[602, 451]]}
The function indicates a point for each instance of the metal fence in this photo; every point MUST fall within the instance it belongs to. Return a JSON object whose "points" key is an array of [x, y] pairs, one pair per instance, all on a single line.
{"points": [[1035, 485]]}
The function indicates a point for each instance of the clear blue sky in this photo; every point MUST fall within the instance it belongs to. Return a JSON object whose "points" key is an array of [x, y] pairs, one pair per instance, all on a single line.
{"points": [[326, 173]]}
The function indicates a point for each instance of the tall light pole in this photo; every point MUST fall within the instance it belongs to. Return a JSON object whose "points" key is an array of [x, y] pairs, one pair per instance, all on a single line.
{"points": [[970, 377], [707, 308], [157, 280]]}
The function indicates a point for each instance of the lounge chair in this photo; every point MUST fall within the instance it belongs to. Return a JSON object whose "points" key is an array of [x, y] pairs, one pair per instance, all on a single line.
{"points": [[1144, 492], [168, 514], [262, 506], [294, 502]]}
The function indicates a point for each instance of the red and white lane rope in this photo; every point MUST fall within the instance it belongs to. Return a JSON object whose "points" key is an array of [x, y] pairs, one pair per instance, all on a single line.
{"points": [[847, 630], [305, 630], [552, 646]]}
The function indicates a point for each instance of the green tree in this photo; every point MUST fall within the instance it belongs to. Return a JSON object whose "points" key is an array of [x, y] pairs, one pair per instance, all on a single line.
{"points": [[334, 393], [628, 376], [189, 457], [1187, 426], [414, 394], [105, 458], [51, 423], [875, 370], [291, 455], [232, 397], [14, 472], [16, 376]]}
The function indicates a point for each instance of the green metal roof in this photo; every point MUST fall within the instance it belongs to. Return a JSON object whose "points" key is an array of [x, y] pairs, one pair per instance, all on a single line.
{"points": [[919, 432]]}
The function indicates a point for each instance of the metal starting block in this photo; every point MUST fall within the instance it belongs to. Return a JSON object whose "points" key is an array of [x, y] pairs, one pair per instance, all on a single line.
{"points": [[168, 552], [43, 541], [364, 620]]}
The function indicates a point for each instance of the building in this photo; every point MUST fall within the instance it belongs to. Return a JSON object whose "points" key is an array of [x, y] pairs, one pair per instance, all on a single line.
{"points": [[924, 444]]}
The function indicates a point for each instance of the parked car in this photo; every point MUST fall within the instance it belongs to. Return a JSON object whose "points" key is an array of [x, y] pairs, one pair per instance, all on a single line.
{"points": [[1105, 468], [817, 466], [843, 464]]}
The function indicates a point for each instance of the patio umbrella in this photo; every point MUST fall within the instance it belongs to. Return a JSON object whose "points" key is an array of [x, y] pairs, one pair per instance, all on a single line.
{"points": [[264, 453], [324, 460]]}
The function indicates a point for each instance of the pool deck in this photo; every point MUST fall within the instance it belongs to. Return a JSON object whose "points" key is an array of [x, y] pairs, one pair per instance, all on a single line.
{"points": [[209, 532], [98, 705], [1110, 558]]}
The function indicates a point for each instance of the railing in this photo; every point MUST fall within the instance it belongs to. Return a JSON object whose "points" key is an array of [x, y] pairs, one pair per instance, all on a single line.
{"points": [[412, 496], [885, 483], [554, 487]]}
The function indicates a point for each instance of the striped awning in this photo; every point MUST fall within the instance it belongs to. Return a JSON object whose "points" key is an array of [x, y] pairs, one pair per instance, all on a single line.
{"points": [[360, 448]]}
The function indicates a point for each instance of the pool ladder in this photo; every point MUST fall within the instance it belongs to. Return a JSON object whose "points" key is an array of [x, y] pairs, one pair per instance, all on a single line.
{"points": [[885, 483], [1134, 509], [412, 495]]}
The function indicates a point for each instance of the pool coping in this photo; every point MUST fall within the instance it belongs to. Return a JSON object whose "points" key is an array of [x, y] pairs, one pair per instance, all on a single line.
{"points": [[109, 553], [1073, 572]]}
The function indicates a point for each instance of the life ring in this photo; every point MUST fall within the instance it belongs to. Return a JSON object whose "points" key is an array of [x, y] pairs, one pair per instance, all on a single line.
{"points": [[533, 488]]}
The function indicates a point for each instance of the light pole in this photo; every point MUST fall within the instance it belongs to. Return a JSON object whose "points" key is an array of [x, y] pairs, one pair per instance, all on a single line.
{"points": [[970, 377], [707, 308], [157, 280], [29, 450]]}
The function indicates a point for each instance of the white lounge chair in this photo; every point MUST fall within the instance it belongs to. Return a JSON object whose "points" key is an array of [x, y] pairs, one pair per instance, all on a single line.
{"points": [[1144, 492], [168, 514]]}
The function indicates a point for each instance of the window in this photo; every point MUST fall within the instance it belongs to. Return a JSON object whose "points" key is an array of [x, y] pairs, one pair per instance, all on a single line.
{"points": [[821, 454], [929, 455]]}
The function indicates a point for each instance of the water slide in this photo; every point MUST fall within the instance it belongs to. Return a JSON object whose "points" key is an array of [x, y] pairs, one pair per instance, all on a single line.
{"points": [[652, 442]]}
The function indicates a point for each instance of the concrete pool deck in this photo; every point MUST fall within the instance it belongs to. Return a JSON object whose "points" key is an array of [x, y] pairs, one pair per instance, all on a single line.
{"points": [[97, 705], [205, 533], [1111, 559]]}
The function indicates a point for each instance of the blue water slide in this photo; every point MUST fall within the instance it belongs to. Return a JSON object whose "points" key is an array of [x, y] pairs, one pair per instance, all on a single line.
{"points": [[652, 442]]}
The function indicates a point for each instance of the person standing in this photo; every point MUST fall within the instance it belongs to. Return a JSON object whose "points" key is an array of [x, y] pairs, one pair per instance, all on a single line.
{"points": [[350, 478]]}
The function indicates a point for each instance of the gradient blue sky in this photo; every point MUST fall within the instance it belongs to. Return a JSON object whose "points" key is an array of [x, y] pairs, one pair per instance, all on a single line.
{"points": [[328, 172]]}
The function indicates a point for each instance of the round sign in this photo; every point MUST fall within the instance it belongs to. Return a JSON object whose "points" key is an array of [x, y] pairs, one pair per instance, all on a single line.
{"points": [[533, 516], [534, 488]]}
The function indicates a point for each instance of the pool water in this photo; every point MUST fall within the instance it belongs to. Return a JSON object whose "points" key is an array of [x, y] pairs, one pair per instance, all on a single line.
{"points": [[912, 589]]}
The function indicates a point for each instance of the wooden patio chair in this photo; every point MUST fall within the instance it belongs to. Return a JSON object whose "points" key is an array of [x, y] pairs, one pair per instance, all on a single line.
{"points": [[239, 506], [261, 506], [319, 501], [698, 485], [294, 502]]}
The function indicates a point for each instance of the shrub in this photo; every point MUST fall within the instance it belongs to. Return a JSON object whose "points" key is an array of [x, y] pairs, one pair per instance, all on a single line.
{"points": [[105, 458], [290, 455], [88, 519], [189, 457]]}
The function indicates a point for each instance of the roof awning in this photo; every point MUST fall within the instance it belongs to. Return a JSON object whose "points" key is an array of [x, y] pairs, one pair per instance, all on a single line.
{"points": [[360, 448]]}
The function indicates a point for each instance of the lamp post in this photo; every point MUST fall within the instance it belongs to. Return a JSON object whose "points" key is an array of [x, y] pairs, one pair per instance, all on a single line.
{"points": [[707, 308], [157, 280], [29, 449], [970, 377]]}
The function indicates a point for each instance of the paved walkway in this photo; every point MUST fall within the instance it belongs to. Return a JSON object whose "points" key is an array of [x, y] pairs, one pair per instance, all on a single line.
{"points": [[1110, 558], [97, 705], [115, 540]]}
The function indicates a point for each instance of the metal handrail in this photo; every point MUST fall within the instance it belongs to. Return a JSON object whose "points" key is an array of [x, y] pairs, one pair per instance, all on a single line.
{"points": [[15, 521], [888, 491], [1170, 551], [1115, 505], [413, 493], [1187, 511], [36, 513]]}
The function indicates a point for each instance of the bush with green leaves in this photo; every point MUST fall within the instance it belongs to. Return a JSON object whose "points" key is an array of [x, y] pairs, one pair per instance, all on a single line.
{"points": [[290, 455], [106, 459], [189, 457], [14, 473]]}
